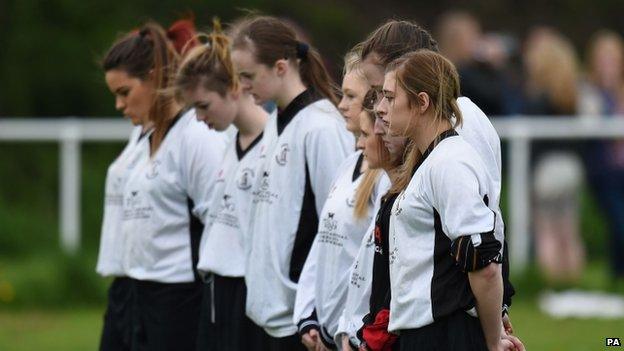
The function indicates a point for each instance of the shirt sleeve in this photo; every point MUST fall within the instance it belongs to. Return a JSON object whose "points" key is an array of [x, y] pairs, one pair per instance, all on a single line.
{"points": [[325, 150], [303, 316], [201, 151], [461, 202]]}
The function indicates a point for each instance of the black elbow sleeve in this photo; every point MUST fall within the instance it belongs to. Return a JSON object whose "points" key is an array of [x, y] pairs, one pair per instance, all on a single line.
{"points": [[470, 256]]}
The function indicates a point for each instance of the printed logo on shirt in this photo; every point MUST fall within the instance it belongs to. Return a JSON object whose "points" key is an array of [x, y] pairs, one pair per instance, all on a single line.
{"points": [[264, 183], [133, 208], [227, 203], [328, 233], [153, 171], [262, 151], [351, 201], [282, 156], [245, 180], [263, 194], [378, 247], [220, 177], [398, 209]]}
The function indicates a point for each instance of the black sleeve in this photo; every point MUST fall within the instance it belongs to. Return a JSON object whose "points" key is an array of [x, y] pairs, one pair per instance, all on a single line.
{"points": [[508, 289], [470, 258], [307, 324]]}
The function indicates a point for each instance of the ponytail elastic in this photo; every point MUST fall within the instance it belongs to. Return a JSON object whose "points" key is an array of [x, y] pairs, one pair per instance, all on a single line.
{"points": [[302, 50]]}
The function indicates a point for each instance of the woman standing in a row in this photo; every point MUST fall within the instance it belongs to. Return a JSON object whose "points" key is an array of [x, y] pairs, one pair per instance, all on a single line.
{"points": [[303, 145], [445, 272], [165, 198], [207, 80]]}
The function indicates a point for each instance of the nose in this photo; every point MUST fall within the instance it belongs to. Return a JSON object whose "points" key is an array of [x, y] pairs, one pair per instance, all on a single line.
{"points": [[120, 105], [342, 106], [360, 143], [379, 128]]}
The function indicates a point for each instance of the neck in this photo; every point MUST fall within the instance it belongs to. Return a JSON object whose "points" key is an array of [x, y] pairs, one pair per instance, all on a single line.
{"points": [[251, 118], [429, 133], [292, 87], [392, 173]]}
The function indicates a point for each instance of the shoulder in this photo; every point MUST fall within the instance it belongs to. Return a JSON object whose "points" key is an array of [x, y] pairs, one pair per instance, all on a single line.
{"points": [[321, 114], [453, 155]]}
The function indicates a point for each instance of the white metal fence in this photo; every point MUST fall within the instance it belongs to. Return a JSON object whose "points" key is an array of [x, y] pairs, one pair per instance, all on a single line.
{"points": [[518, 131]]}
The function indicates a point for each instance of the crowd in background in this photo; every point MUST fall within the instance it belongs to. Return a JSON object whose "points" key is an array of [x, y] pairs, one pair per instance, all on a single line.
{"points": [[544, 75]]}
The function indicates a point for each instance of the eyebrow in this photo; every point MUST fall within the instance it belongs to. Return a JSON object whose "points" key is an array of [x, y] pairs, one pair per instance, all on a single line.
{"points": [[117, 91]]}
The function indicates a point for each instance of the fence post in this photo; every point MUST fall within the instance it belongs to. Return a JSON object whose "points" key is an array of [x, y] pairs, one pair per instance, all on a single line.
{"points": [[519, 174], [70, 184]]}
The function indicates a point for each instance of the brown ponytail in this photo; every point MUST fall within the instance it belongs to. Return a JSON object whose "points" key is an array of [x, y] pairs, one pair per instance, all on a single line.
{"points": [[148, 54], [270, 39], [209, 64], [425, 71]]}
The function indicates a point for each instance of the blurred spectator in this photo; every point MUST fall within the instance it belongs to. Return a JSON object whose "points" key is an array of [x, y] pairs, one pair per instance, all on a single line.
{"points": [[602, 95], [551, 89], [479, 60]]}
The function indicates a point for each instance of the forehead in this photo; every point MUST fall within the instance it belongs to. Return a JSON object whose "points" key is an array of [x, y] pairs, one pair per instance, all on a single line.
{"points": [[243, 59], [200, 93], [354, 80], [117, 77], [389, 81]]}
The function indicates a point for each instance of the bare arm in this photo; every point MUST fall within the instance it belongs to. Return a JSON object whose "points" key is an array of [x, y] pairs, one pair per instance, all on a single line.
{"points": [[487, 287]]}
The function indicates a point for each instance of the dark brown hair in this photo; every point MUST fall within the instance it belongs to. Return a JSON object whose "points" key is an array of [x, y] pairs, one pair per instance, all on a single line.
{"points": [[395, 38], [149, 54], [270, 39]]}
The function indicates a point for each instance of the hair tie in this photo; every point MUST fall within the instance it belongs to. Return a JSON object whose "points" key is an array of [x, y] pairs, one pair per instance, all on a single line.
{"points": [[143, 32], [302, 50]]}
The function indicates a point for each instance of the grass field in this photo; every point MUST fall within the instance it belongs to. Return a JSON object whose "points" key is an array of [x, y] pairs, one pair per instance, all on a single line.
{"points": [[79, 330]]}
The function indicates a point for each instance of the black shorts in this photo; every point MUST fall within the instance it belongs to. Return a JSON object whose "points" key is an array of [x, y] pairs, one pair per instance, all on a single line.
{"points": [[457, 332], [117, 329], [166, 317], [287, 343], [223, 324]]}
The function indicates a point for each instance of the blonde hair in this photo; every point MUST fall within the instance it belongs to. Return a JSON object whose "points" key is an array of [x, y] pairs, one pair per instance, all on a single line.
{"points": [[209, 65], [425, 71], [364, 191], [553, 70]]}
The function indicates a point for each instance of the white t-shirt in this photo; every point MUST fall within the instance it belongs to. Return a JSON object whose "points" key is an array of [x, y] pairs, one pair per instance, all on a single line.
{"points": [[224, 244], [111, 250], [166, 202], [445, 200], [300, 153]]}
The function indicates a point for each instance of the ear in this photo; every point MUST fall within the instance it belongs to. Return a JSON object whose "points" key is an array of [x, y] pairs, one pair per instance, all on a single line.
{"points": [[281, 67], [423, 102]]}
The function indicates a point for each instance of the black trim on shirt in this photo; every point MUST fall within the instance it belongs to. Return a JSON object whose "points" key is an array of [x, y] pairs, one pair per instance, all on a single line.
{"points": [[450, 288], [240, 153], [302, 100], [196, 228], [306, 230], [173, 122], [357, 172]]}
